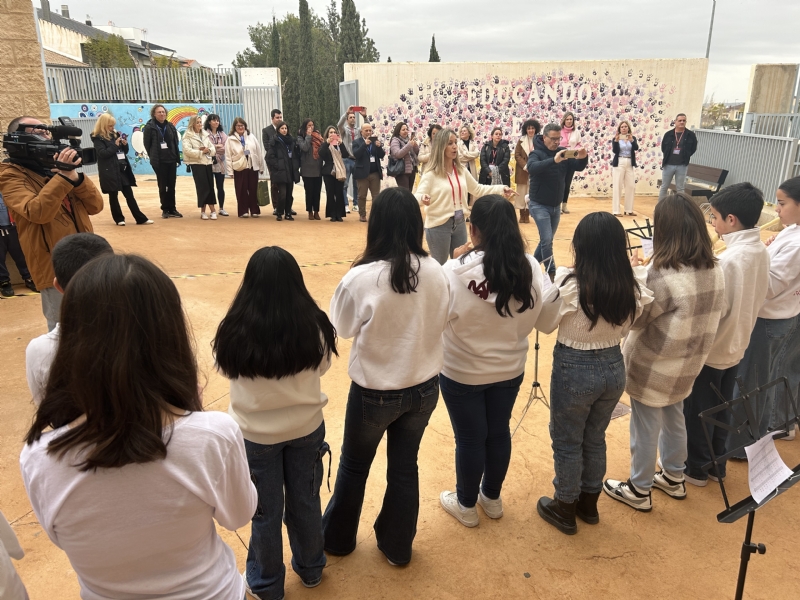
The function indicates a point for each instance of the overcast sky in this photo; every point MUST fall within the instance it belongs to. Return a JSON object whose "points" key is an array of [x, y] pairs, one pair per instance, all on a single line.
{"points": [[745, 31]]}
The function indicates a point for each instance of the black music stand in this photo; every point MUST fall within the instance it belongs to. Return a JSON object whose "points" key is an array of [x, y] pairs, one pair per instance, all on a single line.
{"points": [[751, 425], [642, 232]]}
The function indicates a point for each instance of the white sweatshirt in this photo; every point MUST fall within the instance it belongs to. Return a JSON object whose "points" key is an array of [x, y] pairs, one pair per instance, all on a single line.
{"points": [[783, 297], [397, 338], [449, 194], [271, 411], [745, 265], [39, 357], [480, 346]]}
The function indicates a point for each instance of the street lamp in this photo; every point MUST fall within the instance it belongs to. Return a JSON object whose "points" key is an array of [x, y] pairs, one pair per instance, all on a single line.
{"points": [[711, 27]]}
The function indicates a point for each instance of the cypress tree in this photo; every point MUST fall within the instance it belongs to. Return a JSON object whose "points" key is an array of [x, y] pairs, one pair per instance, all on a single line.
{"points": [[434, 56], [350, 33], [274, 45], [308, 91]]}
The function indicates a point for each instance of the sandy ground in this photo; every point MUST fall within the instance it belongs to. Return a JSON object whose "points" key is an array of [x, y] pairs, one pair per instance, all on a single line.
{"points": [[676, 551]]}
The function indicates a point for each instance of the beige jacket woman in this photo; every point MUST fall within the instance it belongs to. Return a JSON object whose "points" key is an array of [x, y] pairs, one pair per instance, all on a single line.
{"points": [[424, 154], [192, 142], [467, 156], [235, 152]]}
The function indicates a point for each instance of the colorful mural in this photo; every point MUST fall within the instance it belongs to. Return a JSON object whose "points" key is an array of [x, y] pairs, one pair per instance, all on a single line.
{"points": [[598, 99], [131, 119]]}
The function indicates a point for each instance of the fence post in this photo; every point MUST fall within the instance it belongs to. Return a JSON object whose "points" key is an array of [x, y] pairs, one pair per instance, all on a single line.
{"points": [[747, 126]]}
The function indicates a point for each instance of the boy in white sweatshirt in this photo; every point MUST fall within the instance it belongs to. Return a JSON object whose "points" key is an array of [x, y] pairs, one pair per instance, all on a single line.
{"points": [[745, 265]]}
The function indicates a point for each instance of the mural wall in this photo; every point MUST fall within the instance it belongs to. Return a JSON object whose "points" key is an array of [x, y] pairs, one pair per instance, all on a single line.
{"points": [[647, 93], [131, 119]]}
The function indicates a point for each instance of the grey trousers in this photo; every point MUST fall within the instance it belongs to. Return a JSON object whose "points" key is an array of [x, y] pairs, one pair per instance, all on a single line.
{"points": [[51, 306]]}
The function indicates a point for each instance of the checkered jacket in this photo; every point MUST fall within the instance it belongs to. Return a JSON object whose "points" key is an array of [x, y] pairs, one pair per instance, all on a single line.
{"points": [[670, 341]]}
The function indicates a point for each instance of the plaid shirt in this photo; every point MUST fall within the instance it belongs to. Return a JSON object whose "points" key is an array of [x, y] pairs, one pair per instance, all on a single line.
{"points": [[672, 338]]}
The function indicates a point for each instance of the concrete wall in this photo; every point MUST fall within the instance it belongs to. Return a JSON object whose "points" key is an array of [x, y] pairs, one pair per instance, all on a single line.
{"points": [[771, 88], [61, 40], [649, 93]]}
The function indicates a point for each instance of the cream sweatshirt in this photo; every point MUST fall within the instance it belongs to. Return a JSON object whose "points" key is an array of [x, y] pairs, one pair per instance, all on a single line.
{"points": [[745, 265], [397, 338], [783, 297], [446, 199], [192, 155], [480, 346]]}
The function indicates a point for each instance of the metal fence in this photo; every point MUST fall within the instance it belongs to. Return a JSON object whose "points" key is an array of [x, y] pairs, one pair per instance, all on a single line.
{"points": [[348, 95], [765, 161], [145, 85], [777, 124], [253, 103]]}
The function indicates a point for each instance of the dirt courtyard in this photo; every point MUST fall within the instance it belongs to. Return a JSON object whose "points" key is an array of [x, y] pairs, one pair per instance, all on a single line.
{"points": [[676, 551]]}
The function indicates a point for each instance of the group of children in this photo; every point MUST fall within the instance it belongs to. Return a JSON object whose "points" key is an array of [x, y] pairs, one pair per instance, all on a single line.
{"points": [[133, 473]]}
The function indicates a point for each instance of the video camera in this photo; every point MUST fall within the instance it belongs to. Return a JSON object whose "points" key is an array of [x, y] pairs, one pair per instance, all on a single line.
{"points": [[34, 146]]}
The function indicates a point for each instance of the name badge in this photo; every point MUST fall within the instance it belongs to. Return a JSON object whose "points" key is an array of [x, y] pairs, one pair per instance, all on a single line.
{"points": [[459, 216], [247, 152], [164, 145], [676, 150], [120, 155], [371, 159]]}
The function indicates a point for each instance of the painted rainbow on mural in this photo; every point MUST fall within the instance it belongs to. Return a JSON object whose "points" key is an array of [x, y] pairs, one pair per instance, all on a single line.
{"points": [[177, 114]]}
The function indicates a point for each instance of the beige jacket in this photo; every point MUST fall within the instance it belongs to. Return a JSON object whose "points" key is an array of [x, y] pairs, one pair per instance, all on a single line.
{"points": [[192, 142], [234, 152]]}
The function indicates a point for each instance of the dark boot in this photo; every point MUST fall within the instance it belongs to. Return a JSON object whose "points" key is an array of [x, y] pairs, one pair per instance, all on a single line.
{"points": [[586, 508], [521, 215], [559, 514]]}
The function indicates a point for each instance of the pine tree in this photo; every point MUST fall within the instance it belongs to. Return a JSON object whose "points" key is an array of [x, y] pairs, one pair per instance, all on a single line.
{"points": [[389, 59], [107, 52], [434, 56], [308, 91], [274, 46]]}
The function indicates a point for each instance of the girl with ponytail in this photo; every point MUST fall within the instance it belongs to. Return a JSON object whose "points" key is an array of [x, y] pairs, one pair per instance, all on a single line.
{"points": [[495, 299]]}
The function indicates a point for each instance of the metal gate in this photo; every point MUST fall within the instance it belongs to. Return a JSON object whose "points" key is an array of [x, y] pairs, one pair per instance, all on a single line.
{"points": [[348, 95], [252, 103]]}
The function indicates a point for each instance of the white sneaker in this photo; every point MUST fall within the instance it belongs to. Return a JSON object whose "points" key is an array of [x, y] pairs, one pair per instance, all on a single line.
{"points": [[204, 216], [788, 438], [675, 488], [491, 508], [121, 223], [148, 222], [695, 481], [347, 209], [213, 216], [624, 492], [466, 516], [223, 213], [247, 588]]}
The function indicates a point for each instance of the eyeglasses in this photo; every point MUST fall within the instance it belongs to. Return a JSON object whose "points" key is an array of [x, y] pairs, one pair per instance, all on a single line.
{"points": [[554, 139]]}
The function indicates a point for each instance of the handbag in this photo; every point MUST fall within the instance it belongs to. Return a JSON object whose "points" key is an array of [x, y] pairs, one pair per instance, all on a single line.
{"points": [[240, 163], [262, 193], [396, 166]]}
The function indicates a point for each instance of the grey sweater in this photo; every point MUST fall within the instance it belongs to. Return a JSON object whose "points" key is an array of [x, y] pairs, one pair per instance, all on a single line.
{"points": [[309, 166]]}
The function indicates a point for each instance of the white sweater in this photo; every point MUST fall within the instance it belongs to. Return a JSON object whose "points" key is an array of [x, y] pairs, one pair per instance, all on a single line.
{"points": [[745, 265], [480, 346], [783, 297], [271, 411], [397, 338], [444, 202], [39, 357], [234, 151], [192, 155]]}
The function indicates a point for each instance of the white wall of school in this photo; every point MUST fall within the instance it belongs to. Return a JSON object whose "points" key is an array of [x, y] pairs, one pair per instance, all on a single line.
{"points": [[648, 93]]}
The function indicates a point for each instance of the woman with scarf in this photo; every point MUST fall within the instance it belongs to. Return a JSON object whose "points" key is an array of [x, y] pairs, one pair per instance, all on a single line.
{"points": [[404, 146], [333, 153], [282, 171], [218, 138], [571, 140], [308, 143], [243, 161], [530, 129], [495, 156]]}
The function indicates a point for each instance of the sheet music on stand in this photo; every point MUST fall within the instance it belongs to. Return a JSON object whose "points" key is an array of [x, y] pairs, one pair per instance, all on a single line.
{"points": [[766, 469]]}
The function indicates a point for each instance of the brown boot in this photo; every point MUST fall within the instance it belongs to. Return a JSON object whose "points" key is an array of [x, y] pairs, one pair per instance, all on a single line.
{"points": [[521, 215], [310, 215], [527, 216], [316, 216]]}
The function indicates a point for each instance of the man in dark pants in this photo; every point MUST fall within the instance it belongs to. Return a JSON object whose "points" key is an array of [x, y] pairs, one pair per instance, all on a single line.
{"points": [[9, 243], [161, 143], [368, 153], [677, 145]]}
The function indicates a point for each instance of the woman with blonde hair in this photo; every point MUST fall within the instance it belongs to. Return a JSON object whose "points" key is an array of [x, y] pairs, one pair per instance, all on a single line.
{"points": [[198, 149], [530, 129], [624, 146], [468, 151], [571, 140], [443, 190], [425, 147], [114, 169], [243, 160]]}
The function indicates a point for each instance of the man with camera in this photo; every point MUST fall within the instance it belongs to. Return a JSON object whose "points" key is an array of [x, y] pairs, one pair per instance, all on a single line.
{"points": [[48, 199], [368, 152]]}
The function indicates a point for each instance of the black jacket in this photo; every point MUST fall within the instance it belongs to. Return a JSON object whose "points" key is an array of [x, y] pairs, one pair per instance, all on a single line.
{"points": [[688, 146], [267, 135], [501, 161], [114, 173], [615, 150], [361, 155], [152, 142], [327, 157], [546, 177], [282, 167]]}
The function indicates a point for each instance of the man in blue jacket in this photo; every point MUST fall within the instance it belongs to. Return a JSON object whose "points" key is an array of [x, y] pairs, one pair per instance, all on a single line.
{"points": [[547, 168], [368, 153]]}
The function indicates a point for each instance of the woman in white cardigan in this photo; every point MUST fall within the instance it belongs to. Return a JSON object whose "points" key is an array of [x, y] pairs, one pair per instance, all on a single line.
{"points": [[243, 160], [198, 150], [443, 190]]}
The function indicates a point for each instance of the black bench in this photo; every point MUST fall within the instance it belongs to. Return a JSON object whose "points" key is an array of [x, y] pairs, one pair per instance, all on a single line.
{"points": [[702, 181]]}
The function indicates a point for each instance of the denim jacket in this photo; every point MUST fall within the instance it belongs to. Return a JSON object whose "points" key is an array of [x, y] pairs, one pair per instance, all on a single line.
{"points": [[5, 218]]}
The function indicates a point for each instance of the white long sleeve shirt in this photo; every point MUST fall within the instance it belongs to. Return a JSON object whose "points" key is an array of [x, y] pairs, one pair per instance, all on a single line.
{"points": [[783, 297], [39, 357], [449, 194], [397, 338], [745, 265]]}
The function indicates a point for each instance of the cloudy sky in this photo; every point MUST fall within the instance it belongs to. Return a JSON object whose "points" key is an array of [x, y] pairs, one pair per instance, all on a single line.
{"points": [[745, 31]]}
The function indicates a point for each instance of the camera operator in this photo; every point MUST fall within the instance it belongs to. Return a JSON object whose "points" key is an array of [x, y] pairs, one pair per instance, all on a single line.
{"points": [[47, 205]]}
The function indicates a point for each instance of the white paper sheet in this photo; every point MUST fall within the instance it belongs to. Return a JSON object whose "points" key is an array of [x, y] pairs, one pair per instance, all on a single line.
{"points": [[766, 469], [647, 247]]}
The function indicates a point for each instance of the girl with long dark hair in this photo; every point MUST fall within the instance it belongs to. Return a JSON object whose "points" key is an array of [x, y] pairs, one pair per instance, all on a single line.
{"points": [[334, 173], [571, 140], [218, 137], [280, 157], [495, 156], [308, 144], [133, 474], [594, 304], [393, 303], [274, 344], [495, 299], [529, 130]]}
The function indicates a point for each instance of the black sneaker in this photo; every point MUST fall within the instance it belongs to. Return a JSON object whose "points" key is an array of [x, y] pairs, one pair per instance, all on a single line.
{"points": [[6, 289], [293, 213], [279, 218], [30, 285], [175, 214], [165, 214], [275, 213], [289, 217]]}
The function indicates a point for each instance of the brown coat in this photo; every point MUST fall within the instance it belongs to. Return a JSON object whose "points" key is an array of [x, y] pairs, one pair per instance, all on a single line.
{"points": [[521, 159], [36, 204]]}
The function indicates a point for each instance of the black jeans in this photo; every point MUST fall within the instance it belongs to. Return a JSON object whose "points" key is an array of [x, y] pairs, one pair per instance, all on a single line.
{"points": [[166, 175], [219, 179], [334, 201], [403, 415], [313, 187], [283, 198], [9, 242], [116, 211], [406, 180]]}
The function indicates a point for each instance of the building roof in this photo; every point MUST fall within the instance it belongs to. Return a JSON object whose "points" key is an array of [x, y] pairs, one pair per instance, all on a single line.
{"points": [[59, 60], [72, 25]]}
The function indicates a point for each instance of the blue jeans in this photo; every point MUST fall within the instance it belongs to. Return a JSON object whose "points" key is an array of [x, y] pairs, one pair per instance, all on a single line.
{"points": [[295, 466], [403, 415], [774, 351], [479, 415], [546, 218], [585, 387], [667, 173], [445, 238], [702, 398], [349, 165]]}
